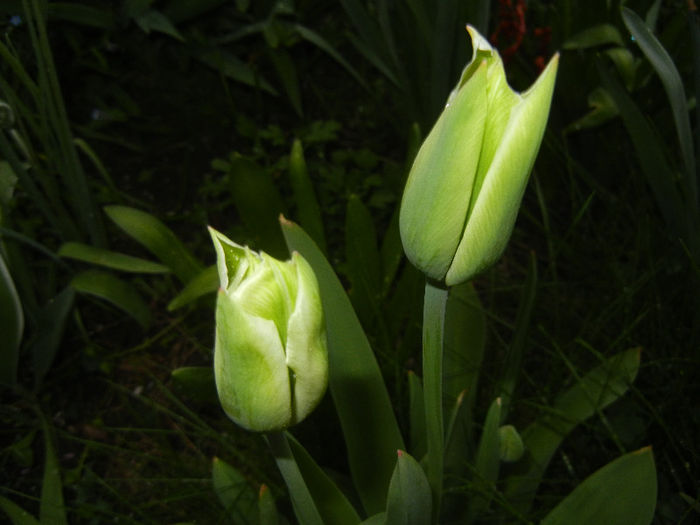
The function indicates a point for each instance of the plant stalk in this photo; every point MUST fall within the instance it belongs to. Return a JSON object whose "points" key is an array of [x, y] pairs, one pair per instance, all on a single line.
{"points": [[434, 306]]}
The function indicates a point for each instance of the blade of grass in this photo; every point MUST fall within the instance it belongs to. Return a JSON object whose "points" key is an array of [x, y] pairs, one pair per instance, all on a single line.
{"points": [[11, 326], [514, 357], [52, 508], [652, 160], [51, 324], [671, 80]]}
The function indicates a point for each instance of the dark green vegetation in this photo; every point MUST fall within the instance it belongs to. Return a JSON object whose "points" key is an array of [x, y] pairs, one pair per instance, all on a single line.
{"points": [[127, 129]]}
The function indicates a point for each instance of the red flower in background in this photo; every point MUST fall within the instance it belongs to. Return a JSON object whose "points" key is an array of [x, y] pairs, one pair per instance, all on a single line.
{"points": [[512, 29]]}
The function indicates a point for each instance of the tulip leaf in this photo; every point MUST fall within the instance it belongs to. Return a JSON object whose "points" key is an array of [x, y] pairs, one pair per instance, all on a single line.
{"points": [[157, 238], [109, 259], [308, 210], [409, 501], [267, 510], [598, 35], [592, 393], [377, 519], [623, 491], [11, 325], [51, 507], [465, 339], [652, 157], [207, 281], [259, 204], [51, 326], [302, 500], [516, 349], [417, 415], [603, 108], [16, 514], [331, 503], [488, 459], [114, 290], [362, 402], [363, 261], [197, 382], [391, 252], [234, 492], [673, 84]]}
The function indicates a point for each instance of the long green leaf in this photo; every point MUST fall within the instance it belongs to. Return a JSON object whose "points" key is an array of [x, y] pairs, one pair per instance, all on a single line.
{"points": [[514, 357], [671, 80], [363, 260], [51, 326], [362, 402], [157, 238], [234, 492], [259, 204], [207, 281], [197, 382], [51, 508], [114, 290], [320, 42], [302, 500], [465, 341], [488, 459], [109, 259], [304, 196], [11, 326], [592, 393], [598, 35], [409, 500], [623, 491], [652, 158], [17, 515], [267, 510], [416, 415], [331, 503]]}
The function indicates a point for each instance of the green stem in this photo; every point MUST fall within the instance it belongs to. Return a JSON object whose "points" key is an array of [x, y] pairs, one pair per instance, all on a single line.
{"points": [[302, 501], [433, 335]]}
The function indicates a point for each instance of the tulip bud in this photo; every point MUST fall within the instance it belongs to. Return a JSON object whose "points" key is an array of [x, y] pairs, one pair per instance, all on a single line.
{"points": [[270, 354], [468, 178]]}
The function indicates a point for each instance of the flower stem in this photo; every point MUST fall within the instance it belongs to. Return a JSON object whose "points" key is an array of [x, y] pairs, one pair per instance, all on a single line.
{"points": [[433, 336]]}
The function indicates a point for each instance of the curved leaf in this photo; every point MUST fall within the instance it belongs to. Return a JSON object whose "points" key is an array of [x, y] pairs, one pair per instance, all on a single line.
{"points": [[592, 393], [207, 281], [109, 259], [157, 238], [114, 290], [623, 491]]}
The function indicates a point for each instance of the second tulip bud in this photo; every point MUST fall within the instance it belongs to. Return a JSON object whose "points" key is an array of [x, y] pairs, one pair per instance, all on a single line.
{"points": [[464, 189]]}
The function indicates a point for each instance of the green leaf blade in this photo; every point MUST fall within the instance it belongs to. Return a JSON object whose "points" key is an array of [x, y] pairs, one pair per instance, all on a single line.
{"points": [[623, 491], [371, 434]]}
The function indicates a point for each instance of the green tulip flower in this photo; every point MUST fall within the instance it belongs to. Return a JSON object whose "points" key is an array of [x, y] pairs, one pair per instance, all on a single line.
{"points": [[468, 178], [270, 354]]}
